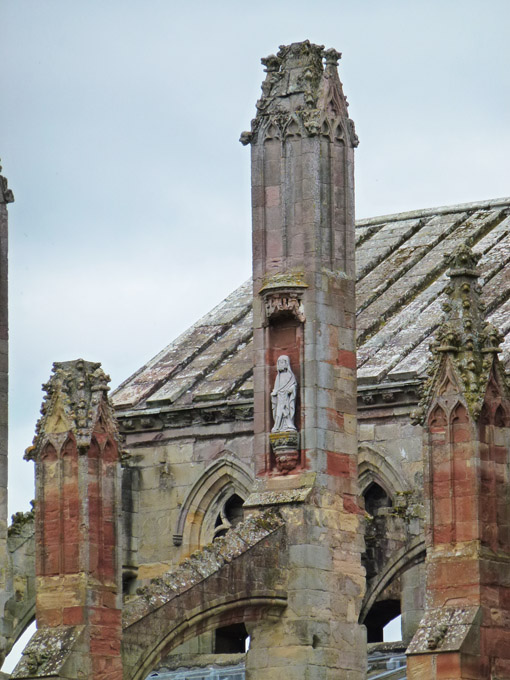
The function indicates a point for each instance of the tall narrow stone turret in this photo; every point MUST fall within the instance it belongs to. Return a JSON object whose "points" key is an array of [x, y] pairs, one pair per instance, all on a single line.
{"points": [[77, 472], [6, 197], [305, 445], [465, 411]]}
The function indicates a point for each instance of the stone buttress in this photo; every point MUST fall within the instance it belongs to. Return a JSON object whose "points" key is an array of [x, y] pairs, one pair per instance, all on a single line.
{"points": [[465, 411], [305, 440], [77, 470], [6, 196]]}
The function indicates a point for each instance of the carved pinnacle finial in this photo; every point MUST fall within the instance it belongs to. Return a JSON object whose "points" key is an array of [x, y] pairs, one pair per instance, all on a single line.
{"points": [[462, 262], [301, 98], [75, 400], [465, 337], [272, 63], [332, 56]]}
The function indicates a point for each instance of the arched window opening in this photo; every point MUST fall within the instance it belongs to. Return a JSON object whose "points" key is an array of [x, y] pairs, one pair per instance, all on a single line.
{"points": [[196, 525], [376, 498], [231, 639], [378, 617], [229, 516]]}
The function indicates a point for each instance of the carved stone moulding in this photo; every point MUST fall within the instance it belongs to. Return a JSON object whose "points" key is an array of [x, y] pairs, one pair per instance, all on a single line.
{"points": [[383, 396], [285, 447], [223, 413], [283, 296]]}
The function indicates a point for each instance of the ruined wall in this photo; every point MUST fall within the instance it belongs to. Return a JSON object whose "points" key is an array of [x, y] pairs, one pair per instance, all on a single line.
{"points": [[6, 197], [173, 487], [391, 457]]}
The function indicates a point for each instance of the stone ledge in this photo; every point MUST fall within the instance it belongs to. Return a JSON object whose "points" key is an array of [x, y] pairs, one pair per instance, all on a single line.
{"points": [[47, 651], [444, 630], [266, 498]]}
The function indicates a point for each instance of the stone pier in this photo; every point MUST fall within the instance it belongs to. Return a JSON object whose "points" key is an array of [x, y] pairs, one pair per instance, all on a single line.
{"points": [[305, 440], [77, 530]]}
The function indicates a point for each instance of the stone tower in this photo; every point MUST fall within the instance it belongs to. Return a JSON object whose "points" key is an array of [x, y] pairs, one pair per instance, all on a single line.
{"points": [[465, 411], [305, 439], [77, 532], [6, 197]]}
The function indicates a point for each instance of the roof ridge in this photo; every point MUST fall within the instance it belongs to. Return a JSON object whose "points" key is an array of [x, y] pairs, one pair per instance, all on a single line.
{"points": [[430, 212]]}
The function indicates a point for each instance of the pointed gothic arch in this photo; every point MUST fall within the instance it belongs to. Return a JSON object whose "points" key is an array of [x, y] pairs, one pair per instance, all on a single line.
{"points": [[375, 467], [219, 481]]}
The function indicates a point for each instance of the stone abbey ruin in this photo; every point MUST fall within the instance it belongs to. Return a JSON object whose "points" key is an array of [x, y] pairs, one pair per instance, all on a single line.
{"points": [[325, 450]]}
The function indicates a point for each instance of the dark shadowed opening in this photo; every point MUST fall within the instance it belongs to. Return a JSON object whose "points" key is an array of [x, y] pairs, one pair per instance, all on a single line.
{"points": [[375, 498], [230, 639], [381, 613], [231, 514]]}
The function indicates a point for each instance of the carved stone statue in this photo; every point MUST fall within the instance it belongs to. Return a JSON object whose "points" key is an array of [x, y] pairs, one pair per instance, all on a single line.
{"points": [[283, 396]]}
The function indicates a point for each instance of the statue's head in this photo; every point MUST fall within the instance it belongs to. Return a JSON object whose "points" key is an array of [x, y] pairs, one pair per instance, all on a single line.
{"points": [[283, 363]]}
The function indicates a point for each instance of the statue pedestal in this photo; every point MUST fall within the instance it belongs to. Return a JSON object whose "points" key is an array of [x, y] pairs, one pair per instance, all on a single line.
{"points": [[285, 447]]}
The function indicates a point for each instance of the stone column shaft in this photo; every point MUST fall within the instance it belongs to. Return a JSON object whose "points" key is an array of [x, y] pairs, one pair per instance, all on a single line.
{"points": [[6, 197]]}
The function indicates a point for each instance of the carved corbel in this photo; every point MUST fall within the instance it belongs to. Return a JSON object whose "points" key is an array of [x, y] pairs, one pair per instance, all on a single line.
{"points": [[284, 302], [283, 296]]}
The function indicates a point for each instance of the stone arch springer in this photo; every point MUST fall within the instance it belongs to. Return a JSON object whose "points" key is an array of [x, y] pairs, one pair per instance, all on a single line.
{"points": [[225, 476], [404, 559]]}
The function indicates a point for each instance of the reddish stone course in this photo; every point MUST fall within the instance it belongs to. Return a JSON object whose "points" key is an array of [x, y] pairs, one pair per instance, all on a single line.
{"points": [[340, 464], [347, 359]]}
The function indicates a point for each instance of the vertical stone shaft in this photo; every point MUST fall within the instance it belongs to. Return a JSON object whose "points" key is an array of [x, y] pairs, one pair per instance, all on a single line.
{"points": [[466, 417], [5, 591], [78, 568], [304, 307], [303, 242]]}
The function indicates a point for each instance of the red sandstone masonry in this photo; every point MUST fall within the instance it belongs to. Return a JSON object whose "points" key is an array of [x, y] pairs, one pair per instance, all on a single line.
{"points": [[77, 527], [302, 146], [462, 635]]}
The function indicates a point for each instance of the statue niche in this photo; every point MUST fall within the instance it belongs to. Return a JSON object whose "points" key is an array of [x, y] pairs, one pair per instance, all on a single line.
{"points": [[284, 436]]}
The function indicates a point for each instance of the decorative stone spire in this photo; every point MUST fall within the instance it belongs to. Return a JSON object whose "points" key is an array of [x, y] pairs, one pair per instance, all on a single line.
{"points": [[465, 415], [73, 403], [302, 97], [464, 336]]}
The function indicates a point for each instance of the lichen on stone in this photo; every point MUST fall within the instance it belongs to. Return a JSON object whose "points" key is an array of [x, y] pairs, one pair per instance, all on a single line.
{"points": [[203, 563], [20, 520], [465, 339]]}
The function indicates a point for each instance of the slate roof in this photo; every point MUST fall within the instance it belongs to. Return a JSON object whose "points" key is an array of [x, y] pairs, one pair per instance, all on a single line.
{"points": [[401, 276]]}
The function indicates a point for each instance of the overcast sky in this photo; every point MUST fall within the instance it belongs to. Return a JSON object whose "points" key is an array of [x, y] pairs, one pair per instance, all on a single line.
{"points": [[119, 128]]}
